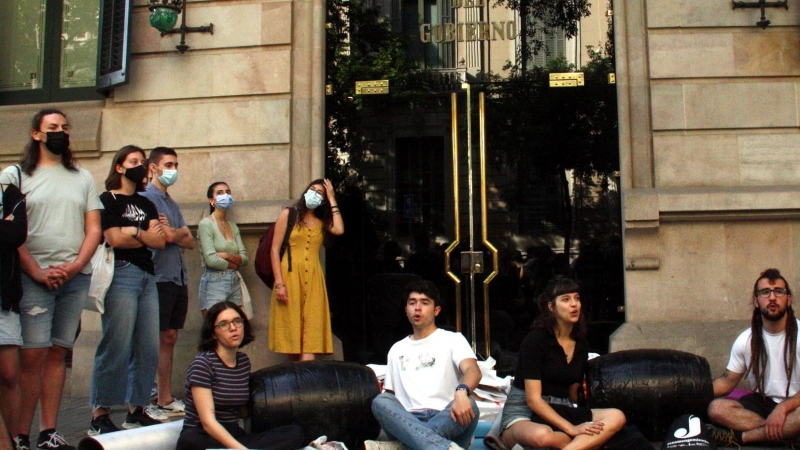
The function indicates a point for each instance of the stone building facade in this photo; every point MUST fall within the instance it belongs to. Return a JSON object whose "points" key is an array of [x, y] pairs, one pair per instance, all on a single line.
{"points": [[708, 118], [708, 147]]}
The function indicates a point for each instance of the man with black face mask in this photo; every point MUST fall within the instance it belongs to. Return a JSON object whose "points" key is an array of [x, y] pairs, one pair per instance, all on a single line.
{"points": [[767, 354], [63, 211]]}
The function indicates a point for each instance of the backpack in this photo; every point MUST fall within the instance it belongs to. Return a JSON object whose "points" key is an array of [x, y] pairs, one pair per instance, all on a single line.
{"points": [[263, 264], [688, 432]]}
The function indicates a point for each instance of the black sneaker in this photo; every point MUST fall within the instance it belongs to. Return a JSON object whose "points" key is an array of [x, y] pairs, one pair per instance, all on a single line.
{"points": [[101, 425], [144, 417], [22, 443], [50, 439], [723, 437]]}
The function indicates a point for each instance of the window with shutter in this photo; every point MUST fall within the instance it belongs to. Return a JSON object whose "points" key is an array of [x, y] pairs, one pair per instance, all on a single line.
{"points": [[555, 46], [49, 50], [113, 54]]}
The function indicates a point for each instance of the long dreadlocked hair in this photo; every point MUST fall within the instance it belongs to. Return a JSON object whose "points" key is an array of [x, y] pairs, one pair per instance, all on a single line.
{"points": [[757, 349]]}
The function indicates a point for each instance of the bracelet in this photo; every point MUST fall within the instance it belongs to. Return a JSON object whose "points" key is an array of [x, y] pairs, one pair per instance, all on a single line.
{"points": [[334, 207], [138, 232], [279, 286], [336, 212]]}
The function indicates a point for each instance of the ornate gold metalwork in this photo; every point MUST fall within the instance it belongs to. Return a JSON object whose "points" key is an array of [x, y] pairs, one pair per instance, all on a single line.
{"points": [[485, 225], [568, 79], [372, 87], [456, 209]]}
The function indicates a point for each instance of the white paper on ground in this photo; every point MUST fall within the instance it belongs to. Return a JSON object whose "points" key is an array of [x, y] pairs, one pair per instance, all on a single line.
{"points": [[155, 437]]}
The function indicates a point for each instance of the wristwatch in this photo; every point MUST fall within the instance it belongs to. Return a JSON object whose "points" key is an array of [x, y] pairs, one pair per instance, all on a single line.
{"points": [[463, 387]]}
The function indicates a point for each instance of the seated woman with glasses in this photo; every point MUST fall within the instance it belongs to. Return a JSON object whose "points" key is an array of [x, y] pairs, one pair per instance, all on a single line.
{"points": [[218, 386]]}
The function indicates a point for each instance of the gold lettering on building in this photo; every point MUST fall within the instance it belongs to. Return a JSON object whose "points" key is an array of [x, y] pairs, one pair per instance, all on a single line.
{"points": [[498, 28], [468, 31], [438, 33], [470, 28], [425, 32]]}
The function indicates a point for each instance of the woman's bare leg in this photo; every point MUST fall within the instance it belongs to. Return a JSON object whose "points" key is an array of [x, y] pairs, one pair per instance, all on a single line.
{"points": [[534, 435]]}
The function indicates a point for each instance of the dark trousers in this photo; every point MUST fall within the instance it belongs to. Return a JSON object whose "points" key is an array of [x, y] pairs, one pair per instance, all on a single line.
{"points": [[289, 437]]}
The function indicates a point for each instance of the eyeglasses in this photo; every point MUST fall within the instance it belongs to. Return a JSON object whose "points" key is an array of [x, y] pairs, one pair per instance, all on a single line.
{"points": [[764, 293], [225, 325]]}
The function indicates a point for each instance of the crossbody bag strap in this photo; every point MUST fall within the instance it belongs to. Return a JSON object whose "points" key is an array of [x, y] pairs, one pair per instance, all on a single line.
{"points": [[19, 176], [285, 242]]}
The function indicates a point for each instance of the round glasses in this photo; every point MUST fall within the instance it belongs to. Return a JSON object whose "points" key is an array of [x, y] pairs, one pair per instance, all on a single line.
{"points": [[225, 325], [764, 293]]}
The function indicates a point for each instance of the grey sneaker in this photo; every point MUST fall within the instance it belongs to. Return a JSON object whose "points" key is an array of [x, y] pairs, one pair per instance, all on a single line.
{"points": [[723, 437], [175, 408], [383, 445], [144, 417]]}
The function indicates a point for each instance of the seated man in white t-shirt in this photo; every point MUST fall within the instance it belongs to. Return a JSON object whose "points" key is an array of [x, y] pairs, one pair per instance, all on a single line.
{"points": [[429, 377], [770, 413]]}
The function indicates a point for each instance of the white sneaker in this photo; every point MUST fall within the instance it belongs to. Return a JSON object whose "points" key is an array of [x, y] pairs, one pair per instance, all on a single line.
{"points": [[383, 445], [175, 408], [155, 413]]}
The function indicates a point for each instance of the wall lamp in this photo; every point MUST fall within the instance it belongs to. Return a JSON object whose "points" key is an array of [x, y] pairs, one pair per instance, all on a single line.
{"points": [[763, 23], [164, 16]]}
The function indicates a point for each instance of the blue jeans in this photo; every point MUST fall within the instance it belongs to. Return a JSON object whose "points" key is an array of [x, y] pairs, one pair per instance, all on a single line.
{"points": [[51, 317], [422, 430], [127, 356], [217, 286]]}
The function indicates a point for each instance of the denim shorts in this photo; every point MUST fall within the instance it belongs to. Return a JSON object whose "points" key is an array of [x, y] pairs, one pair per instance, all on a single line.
{"points": [[10, 329], [516, 409], [217, 286], [51, 317]]}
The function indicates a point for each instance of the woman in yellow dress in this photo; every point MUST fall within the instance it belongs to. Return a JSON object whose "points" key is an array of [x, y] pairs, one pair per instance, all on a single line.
{"points": [[299, 321]]}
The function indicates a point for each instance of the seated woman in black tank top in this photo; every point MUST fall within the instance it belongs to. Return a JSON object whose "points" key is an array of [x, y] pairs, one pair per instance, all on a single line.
{"points": [[541, 409]]}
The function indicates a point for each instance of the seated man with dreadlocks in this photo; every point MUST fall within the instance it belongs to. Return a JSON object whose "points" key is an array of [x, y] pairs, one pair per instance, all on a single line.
{"points": [[767, 354]]}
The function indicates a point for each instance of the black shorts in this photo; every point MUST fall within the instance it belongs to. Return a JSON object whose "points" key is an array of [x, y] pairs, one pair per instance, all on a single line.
{"points": [[173, 304], [758, 404], [575, 416]]}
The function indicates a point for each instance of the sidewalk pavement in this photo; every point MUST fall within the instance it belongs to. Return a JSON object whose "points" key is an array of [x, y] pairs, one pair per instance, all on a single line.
{"points": [[75, 414], [74, 417]]}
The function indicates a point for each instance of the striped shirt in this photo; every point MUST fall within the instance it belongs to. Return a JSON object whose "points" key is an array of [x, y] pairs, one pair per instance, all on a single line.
{"points": [[230, 386]]}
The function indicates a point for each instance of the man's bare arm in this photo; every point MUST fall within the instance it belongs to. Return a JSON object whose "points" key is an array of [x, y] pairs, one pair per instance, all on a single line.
{"points": [[725, 383]]}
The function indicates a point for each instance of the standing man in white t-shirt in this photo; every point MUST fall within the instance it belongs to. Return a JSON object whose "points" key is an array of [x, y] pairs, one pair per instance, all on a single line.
{"points": [[767, 353], [429, 378], [63, 233]]}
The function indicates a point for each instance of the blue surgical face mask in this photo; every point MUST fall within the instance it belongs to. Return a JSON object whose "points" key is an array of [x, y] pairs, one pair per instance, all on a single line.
{"points": [[313, 199], [168, 177], [224, 201]]}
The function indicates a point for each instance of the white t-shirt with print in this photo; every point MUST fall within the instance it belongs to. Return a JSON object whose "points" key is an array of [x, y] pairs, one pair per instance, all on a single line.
{"points": [[775, 373], [424, 373]]}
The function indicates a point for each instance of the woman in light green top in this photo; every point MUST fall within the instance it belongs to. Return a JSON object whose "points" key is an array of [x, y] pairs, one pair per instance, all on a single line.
{"points": [[222, 249]]}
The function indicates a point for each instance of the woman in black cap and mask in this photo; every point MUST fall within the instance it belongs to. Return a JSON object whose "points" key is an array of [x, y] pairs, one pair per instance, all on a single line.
{"points": [[127, 356]]}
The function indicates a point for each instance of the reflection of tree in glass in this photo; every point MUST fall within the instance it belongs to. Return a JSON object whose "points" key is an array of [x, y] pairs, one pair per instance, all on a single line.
{"points": [[548, 134], [21, 36], [79, 43]]}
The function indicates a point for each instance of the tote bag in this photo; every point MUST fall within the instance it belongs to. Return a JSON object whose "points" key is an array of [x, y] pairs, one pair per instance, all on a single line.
{"points": [[102, 274]]}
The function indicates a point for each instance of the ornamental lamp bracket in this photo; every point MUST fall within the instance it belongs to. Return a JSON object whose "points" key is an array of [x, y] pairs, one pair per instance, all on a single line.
{"points": [[164, 16], [763, 23]]}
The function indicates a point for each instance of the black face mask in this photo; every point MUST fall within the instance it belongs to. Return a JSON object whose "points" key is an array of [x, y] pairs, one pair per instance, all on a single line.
{"points": [[136, 174], [57, 142]]}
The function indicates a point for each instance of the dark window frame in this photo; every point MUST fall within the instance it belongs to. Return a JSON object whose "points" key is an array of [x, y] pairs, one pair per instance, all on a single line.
{"points": [[50, 92]]}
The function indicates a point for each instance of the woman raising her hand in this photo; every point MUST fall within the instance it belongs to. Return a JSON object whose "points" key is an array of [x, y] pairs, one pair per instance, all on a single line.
{"points": [[299, 322], [541, 409]]}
